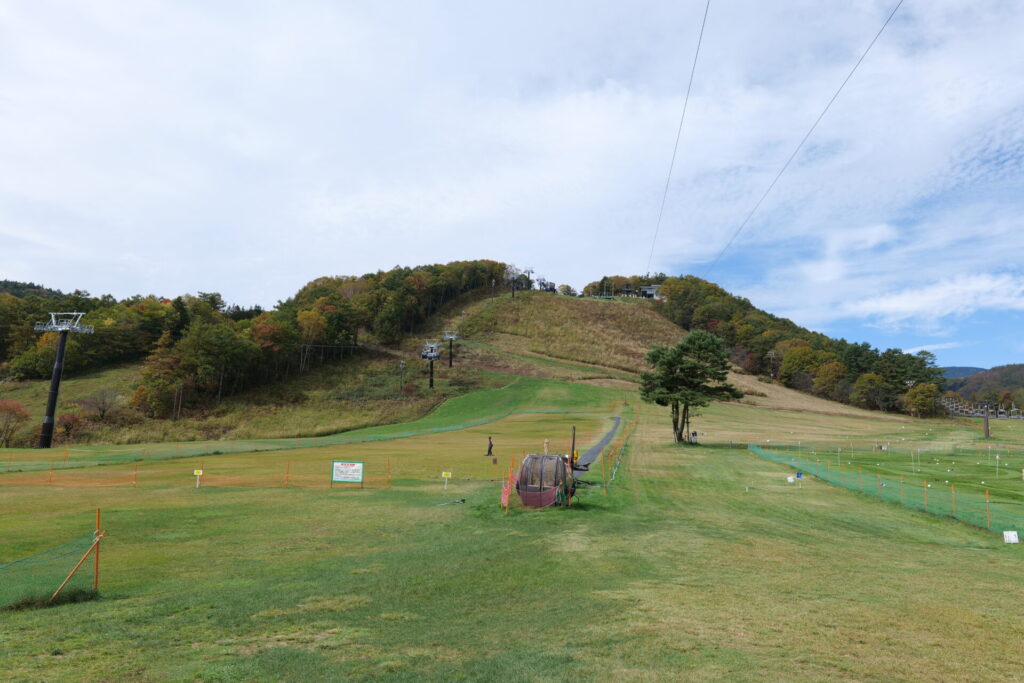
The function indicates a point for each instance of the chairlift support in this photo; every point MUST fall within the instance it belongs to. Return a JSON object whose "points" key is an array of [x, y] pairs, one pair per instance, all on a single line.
{"points": [[61, 323]]}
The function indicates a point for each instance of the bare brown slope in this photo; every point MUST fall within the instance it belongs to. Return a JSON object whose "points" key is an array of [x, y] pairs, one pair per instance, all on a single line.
{"points": [[596, 334]]}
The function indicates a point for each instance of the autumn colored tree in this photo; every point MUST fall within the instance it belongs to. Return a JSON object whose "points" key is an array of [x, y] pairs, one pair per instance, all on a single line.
{"points": [[12, 416], [829, 378], [922, 400], [69, 424]]}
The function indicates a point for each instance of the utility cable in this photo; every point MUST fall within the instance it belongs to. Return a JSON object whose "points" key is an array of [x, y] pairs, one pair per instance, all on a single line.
{"points": [[799, 146], [679, 133]]}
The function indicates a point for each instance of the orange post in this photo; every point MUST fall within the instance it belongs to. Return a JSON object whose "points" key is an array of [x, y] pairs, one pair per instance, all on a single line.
{"points": [[988, 512], [49, 479], [135, 475], [67, 454], [287, 471], [96, 558]]}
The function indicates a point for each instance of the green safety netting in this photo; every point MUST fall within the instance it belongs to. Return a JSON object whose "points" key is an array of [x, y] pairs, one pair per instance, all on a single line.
{"points": [[937, 499], [37, 576]]}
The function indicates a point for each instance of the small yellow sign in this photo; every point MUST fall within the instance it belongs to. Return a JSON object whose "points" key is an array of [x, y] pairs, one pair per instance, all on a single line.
{"points": [[198, 473], [446, 475]]}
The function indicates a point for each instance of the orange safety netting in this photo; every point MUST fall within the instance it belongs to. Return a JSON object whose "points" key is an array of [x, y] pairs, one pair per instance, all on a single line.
{"points": [[73, 477]]}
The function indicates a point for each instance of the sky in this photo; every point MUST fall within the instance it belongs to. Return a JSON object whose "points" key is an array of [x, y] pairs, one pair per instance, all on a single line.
{"points": [[249, 147]]}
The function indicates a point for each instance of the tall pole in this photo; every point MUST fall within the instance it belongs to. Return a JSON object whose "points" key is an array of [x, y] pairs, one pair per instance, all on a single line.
{"points": [[572, 450], [431, 373], [46, 436], [61, 323], [451, 343], [401, 379]]}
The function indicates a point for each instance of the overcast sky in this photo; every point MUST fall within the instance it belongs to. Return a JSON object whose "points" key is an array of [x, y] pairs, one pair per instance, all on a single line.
{"points": [[171, 147]]}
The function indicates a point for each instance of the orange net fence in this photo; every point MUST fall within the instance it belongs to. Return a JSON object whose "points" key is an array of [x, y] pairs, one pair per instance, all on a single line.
{"points": [[315, 474], [75, 477]]}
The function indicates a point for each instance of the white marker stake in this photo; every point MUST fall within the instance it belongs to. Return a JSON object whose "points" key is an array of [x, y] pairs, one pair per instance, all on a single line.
{"points": [[199, 475], [446, 476]]}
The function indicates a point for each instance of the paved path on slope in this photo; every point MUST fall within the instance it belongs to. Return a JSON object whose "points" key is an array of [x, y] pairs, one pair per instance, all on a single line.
{"points": [[591, 455]]}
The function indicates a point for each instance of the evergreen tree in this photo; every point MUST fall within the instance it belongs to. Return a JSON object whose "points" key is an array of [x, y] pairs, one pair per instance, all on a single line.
{"points": [[688, 375]]}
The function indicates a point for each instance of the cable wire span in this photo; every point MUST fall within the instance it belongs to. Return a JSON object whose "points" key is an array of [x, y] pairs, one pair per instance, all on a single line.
{"points": [[801, 144], [679, 133]]}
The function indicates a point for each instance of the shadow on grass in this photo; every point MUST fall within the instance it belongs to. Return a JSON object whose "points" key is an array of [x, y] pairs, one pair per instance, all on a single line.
{"points": [[42, 601]]}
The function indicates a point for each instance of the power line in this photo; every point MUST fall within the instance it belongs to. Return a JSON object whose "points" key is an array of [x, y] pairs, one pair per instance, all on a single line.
{"points": [[799, 146], [679, 133]]}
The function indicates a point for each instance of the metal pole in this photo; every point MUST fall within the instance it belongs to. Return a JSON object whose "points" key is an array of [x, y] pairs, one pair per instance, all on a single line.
{"points": [[401, 381], [451, 345], [46, 435], [431, 373]]}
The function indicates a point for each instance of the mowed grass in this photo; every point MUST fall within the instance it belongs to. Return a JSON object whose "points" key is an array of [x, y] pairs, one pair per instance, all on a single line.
{"points": [[701, 563]]}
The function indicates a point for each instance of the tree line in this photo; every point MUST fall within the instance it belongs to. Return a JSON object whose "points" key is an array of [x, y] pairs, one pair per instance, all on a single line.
{"points": [[197, 349]]}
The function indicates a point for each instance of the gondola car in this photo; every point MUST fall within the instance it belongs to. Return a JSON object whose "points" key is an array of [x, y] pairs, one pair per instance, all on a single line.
{"points": [[544, 480]]}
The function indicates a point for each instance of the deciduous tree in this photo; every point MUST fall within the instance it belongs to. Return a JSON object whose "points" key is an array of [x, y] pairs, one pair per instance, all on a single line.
{"points": [[12, 416]]}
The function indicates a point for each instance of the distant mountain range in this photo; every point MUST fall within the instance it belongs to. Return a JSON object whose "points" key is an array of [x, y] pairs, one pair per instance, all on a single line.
{"points": [[992, 385], [960, 372]]}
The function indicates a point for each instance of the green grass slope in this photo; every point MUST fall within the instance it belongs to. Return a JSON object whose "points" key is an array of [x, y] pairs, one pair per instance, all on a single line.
{"points": [[701, 563]]}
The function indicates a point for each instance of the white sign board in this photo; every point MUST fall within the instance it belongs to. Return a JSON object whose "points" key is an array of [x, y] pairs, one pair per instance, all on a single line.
{"points": [[1010, 537], [349, 472]]}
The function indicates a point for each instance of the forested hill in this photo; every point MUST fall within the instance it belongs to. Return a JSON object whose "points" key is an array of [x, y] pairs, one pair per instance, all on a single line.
{"points": [[1003, 384], [197, 346], [765, 344], [954, 372], [23, 289]]}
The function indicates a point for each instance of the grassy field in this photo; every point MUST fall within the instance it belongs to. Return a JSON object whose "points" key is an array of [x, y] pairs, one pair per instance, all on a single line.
{"points": [[701, 563]]}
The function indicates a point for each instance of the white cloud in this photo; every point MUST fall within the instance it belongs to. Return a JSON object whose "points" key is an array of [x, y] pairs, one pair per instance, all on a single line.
{"points": [[955, 296], [935, 347]]}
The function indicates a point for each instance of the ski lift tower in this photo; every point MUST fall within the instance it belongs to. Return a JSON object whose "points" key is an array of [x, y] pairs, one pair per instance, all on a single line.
{"points": [[450, 336], [61, 323], [431, 352]]}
